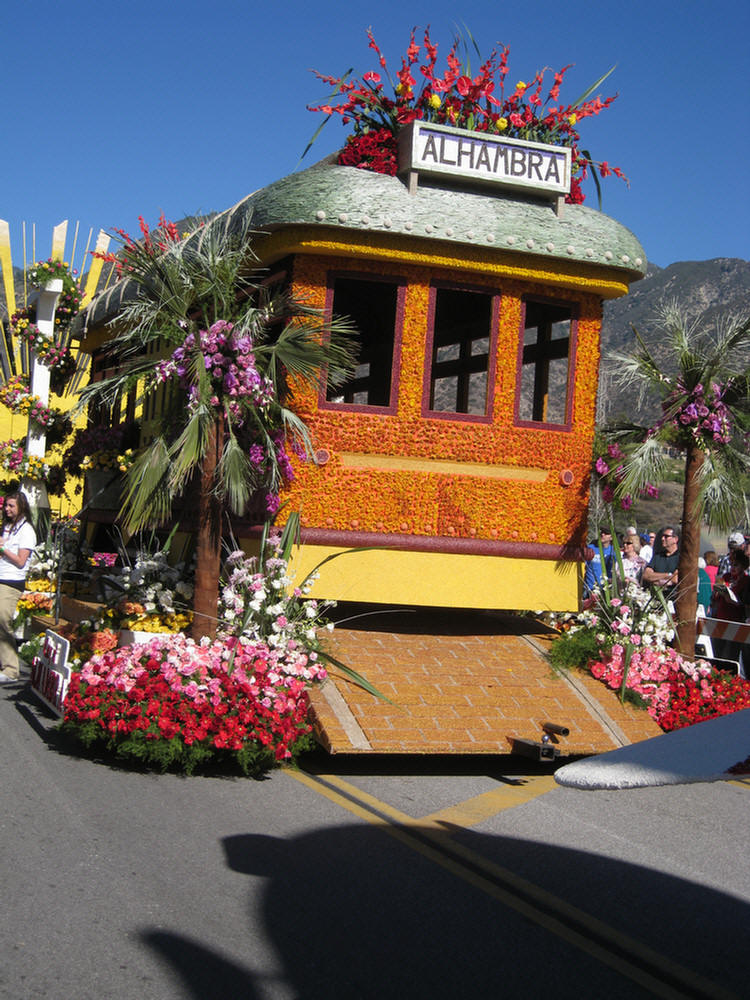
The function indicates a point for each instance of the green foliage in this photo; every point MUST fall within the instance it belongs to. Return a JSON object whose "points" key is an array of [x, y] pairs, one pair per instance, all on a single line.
{"points": [[573, 649], [31, 648], [175, 755]]}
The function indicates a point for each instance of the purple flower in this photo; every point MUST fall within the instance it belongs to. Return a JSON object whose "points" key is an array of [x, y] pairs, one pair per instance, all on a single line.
{"points": [[256, 454]]}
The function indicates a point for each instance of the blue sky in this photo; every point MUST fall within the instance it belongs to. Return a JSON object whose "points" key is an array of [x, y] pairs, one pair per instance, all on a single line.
{"points": [[120, 110]]}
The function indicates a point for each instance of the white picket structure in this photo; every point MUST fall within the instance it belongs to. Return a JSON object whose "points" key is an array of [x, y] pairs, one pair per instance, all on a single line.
{"points": [[717, 628]]}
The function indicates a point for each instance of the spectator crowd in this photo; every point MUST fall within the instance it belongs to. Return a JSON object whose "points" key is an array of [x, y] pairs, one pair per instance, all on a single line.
{"points": [[650, 559]]}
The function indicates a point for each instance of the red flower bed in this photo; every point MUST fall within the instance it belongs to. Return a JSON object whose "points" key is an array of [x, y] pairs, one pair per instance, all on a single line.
{"points": [[689, 704], [172, 703]]}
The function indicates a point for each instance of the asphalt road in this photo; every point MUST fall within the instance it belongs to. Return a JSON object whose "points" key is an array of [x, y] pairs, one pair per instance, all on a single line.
{"points": [[361, 879]]}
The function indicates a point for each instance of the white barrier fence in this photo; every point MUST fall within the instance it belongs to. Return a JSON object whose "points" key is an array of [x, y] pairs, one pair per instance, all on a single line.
{"points": [[710, 630]]}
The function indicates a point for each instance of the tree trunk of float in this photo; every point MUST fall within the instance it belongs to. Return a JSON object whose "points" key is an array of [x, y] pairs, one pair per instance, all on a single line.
{"points": [[686, 601], [208, 542]]}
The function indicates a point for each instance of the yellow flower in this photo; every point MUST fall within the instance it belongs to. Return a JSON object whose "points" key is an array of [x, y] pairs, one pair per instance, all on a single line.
{"points": [[435, 101], [502, 124], [572, 119], [520, 86]]}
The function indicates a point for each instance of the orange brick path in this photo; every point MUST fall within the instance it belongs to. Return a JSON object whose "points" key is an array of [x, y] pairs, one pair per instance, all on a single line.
{"points": [[463, 683]]}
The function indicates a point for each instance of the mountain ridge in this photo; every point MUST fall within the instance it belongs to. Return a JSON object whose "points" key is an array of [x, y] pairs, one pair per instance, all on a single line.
{"points": [[706, 290]]}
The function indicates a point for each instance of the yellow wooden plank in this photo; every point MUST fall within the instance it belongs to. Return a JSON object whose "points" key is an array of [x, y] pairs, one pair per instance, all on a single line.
{"points": [[6, 264], [102, 245], [58, 240]]}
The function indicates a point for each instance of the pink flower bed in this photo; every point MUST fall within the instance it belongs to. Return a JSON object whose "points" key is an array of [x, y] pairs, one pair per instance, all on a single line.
{"points": [[676, 691]]}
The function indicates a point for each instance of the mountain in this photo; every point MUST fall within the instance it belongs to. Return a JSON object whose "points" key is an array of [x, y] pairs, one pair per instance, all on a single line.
{"points": [[704, 288]]}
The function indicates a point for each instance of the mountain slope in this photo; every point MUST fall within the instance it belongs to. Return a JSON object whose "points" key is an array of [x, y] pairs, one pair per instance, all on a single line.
{"points": [[708, 288]]}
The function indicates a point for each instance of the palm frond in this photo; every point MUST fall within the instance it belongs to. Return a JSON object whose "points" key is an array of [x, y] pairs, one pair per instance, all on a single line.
{"points": [[188, 450], [148, 499], [721, 499], [296, 429], [646, 464], [235, 475], [301, 350], [639, 370]]}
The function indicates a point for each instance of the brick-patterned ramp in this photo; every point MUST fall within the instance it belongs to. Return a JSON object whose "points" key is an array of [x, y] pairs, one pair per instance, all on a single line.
{"points": [[462, 682]]}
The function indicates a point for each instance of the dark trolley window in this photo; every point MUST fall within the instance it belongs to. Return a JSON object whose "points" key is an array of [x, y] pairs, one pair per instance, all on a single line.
{"points": [[372, 306], [460, 351], [545, 363]]}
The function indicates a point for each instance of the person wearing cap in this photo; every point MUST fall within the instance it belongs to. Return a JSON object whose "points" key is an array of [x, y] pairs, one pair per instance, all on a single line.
{"points": [[594, 572], [735, 541], [662, 570], [647, 550]]}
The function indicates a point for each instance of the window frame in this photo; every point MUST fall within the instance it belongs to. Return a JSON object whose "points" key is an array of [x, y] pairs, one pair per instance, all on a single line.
{"points": [[495, 297], [400, 284], [574, 308]]}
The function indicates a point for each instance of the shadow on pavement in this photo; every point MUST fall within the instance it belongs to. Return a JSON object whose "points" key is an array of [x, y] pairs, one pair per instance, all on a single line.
{"points": [[354, 914], [202, 971]]}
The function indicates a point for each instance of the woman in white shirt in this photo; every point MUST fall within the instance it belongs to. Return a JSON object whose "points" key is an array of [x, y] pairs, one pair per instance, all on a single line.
{"points": [[632, 563], [16, 545]]}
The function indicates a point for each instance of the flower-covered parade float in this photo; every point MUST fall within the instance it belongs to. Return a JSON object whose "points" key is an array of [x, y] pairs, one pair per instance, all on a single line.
{"points": [[450, 461], [450, 229]]}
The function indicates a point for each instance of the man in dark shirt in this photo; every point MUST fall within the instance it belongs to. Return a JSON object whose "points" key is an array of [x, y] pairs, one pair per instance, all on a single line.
{"points": [[662, 570]]}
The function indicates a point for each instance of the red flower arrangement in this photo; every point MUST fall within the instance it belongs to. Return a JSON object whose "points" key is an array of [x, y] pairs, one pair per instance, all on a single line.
{"points": [[675, 691], [689, 702], [173, 703], [476, 103], [154, 242]]}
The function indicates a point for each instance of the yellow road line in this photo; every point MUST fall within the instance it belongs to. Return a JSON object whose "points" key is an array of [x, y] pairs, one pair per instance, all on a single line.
{"points": [[464, 814], [618, 951], [481, 807]]}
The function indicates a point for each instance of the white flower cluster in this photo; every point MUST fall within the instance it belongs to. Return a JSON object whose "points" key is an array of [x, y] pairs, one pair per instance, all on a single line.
{"points": [[151, 581], [635, 616], [58, 553], [258, 602]]}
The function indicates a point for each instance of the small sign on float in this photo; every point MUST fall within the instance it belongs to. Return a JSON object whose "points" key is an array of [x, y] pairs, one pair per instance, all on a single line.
{"points": [[481, 157], [50, 672]]}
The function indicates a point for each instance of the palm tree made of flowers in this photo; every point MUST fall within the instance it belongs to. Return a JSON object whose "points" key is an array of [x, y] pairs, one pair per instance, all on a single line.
{"points": [[701, 378], [226, 350]]}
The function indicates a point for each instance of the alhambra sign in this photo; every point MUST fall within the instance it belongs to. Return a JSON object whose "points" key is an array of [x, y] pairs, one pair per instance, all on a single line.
{"points": [[483, 158]]}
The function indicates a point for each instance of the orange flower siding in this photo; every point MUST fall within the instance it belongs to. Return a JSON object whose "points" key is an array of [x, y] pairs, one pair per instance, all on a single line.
{"points": [[440, 504]]}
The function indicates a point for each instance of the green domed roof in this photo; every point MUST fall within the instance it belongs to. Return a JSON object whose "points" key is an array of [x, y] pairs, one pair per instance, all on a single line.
{"points": [[350, 199]]}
